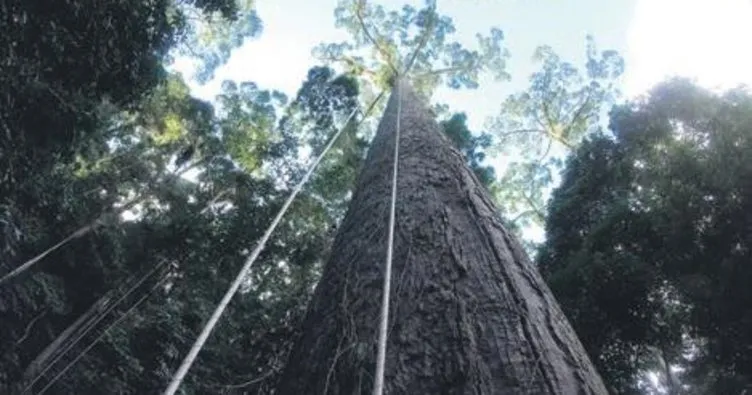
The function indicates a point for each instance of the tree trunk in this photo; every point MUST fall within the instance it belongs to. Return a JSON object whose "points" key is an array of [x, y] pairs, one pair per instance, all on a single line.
{"points": [[469, 312], [82, 324], [670, 387]]}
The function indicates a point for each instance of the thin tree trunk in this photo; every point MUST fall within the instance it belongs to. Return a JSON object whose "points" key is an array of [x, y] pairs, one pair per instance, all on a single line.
{"points": [[82, 324], [470, 314], [670, 387]]}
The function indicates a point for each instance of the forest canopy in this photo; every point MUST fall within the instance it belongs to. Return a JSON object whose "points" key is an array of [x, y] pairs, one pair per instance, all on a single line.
{"points": [[128, 204]]}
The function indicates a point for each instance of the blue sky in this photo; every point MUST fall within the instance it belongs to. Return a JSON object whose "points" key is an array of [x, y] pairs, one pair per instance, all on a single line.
{"points": [[281, 57], [705, 39], [709, 40]]}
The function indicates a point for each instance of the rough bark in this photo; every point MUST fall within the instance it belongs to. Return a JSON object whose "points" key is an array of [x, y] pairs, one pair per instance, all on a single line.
{"points": [[470, 314]]}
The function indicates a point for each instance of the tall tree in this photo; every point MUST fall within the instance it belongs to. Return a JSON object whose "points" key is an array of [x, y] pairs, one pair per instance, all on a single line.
{"points": [[562, 104], [648, 241], [184, 221], [384, 41], [471, 314], [74, 74]]}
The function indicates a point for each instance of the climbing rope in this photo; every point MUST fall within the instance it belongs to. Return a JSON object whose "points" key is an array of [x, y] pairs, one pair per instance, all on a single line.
{"points": [[83, 231], [93, 324], [191, 357], [93, 343], [378, 388]]}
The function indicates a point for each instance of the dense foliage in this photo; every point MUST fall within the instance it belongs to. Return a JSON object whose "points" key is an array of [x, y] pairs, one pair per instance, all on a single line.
{"points": [[561, 105], [648, 243], [147, 200], [97, 136], [91, 123]]}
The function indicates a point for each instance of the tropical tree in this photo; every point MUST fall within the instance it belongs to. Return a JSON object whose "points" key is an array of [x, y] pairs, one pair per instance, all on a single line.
{"points": [[127, 205], [470, 311], [471, 146], [384, 43], [90, 127], [189, 236], [645, 243], [561, 106]]}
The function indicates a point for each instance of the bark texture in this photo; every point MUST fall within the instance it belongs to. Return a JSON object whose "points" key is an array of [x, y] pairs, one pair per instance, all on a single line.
{"points": [[470, 314]]}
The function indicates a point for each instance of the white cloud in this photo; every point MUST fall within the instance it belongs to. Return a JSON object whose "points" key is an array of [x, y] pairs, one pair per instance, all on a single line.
{"points": [[708, 40]]}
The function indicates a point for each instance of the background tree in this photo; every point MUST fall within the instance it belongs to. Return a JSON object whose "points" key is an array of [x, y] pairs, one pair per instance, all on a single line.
{"points": [[184, 222], [560, 107], [645, 242], [471, 146], [83, 136]]}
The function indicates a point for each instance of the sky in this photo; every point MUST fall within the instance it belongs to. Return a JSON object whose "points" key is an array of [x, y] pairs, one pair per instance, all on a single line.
{"points": [[704, 39], [281, 56], [707, 40]]}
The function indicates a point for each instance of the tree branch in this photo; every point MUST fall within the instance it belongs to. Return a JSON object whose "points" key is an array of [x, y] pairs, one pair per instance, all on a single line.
{"points": [[551, 130], [84, 230], [358, 9], [545, 154], [252, 381], [27, 332], [520, 215], [424, 39], [582, 106], [446, 70], [534, 207], [563, 141], [519, 131], [214, 200], [578, 113], [351, 63], [547, 116]]}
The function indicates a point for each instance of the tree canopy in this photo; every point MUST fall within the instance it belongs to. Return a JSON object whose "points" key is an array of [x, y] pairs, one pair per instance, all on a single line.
{"points": [[127, 204], [384, 42], [647, 240]]}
